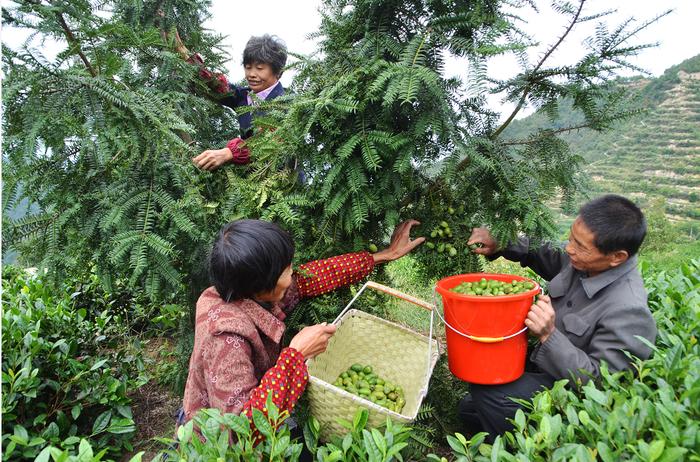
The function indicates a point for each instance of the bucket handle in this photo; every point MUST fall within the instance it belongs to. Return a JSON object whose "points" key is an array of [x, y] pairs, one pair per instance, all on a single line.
{"points": [[474, 337], [411, 299]]}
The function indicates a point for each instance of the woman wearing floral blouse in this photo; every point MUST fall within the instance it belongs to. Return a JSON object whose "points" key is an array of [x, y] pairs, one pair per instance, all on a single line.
{"points": [[237, 358]]}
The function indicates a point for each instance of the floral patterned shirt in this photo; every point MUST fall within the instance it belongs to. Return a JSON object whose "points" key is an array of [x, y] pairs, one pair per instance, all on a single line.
{"points": [[236, 361]]}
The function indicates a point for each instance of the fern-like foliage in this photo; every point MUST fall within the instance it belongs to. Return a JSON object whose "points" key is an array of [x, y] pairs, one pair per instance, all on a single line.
{"points": [[100, 138], [99, 141]]}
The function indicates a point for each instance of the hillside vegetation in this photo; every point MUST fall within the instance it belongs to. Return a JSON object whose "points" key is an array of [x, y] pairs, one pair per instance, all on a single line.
{"points": [[654, 154]]}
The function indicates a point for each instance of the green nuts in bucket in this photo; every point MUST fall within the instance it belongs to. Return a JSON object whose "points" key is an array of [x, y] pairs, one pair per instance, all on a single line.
{"points": [[493, 287]]}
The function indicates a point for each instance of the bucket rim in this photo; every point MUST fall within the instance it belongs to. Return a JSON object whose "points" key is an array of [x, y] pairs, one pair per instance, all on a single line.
{"points": [[469, 277]]}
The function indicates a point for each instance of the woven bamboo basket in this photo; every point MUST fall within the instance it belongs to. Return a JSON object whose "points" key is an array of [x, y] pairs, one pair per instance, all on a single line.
{"points": [[396, 353]]}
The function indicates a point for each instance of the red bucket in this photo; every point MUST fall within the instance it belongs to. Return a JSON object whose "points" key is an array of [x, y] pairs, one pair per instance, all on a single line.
{"points": [[486, 338]]}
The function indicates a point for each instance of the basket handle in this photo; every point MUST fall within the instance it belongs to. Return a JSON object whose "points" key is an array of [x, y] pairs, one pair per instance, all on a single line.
{"points": [[388, 290], [411, 299]]}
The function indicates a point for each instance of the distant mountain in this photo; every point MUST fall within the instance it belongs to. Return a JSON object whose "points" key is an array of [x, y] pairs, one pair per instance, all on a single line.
{"points": [[655, 154]]}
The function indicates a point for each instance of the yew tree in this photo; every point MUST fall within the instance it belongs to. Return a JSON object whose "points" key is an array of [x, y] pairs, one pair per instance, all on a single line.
{"points": [[99, 138]]}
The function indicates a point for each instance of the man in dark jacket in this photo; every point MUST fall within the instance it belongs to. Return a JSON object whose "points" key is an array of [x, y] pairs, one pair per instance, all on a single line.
{"points": [[595, 310]]}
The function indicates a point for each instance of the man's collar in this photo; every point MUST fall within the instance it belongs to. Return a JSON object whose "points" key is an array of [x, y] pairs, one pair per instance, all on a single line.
{"points": [[593, 285]]}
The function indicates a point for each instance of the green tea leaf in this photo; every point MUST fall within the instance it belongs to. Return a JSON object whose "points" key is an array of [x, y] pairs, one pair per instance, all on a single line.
{"points": [[261, 423], [656, 448], [360, 419], [101, 422]]}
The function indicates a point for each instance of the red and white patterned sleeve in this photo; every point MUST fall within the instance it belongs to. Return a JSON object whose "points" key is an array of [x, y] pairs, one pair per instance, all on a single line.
{"points": [[231, 384], [321, 276], [217, 82], [285, 381]]}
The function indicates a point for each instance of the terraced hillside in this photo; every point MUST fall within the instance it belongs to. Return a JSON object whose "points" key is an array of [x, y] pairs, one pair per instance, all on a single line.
{"points": [[659, 154], [654, 155]]}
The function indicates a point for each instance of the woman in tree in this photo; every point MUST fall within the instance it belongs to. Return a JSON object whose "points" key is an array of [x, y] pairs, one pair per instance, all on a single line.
{"points": [[237, 358], [264, 59]]}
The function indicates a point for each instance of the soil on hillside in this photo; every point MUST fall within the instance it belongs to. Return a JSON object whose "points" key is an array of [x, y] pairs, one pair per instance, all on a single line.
{"points": [[154, 406]]}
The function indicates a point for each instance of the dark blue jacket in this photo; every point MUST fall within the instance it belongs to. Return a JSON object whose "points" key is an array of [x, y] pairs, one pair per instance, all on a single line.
{"points": [[238, 97]]}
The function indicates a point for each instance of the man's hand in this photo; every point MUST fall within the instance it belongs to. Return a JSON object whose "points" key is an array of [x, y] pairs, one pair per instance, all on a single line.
{"points": [[540, 318], [400, 244], [483, 236], [212, 159]]}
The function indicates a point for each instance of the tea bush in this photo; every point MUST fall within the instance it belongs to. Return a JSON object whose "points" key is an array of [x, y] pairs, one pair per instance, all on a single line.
{"points": [[649, 413], [66, 370], [214, 441]]}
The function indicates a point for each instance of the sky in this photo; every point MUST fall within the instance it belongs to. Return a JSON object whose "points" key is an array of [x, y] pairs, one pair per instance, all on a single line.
{"points": [[678, 34]]}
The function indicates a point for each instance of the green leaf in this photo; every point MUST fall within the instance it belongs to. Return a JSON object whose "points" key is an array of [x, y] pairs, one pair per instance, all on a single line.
{"points": [[519, 419], [545, 427], [370, 447], [75, 411], [137, 457], [71, 440], [21, 435], [101, 422], [496, 449], [673, 454], [656, 448], [85, 450], [184, 432], [395, 450], [281, 446], [121, 428], [261, 423], [584, 417], [360, 419], [595, 394], [98, 364], [43, 455], [461, 439], [456, 445], [125, 411], [379, 440], [52, 431], [347, 442]]}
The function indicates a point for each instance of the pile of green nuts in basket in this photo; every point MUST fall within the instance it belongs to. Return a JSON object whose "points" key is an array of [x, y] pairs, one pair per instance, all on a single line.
{"points": [[362, 381]]}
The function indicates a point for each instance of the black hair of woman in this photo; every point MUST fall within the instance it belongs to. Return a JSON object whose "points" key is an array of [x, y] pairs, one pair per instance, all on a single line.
{"points": [[266, 49], [248, 258]]}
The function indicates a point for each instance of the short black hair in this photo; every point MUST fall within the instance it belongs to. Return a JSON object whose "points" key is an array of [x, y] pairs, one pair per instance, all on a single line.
{"points": [[616, 222], [266, 49], [249, 257]]}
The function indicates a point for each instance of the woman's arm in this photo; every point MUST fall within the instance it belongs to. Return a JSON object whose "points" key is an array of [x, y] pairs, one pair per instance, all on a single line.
{"points": [[232, 386], [322, 276]]}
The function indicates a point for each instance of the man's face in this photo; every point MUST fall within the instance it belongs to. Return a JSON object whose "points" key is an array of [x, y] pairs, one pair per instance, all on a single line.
{"points": [[260, 76], [583, 253]]}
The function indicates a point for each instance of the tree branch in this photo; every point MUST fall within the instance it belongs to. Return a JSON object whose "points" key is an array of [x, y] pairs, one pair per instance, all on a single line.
{"points": [[73, 42], [553, 132], [549, 52]]}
